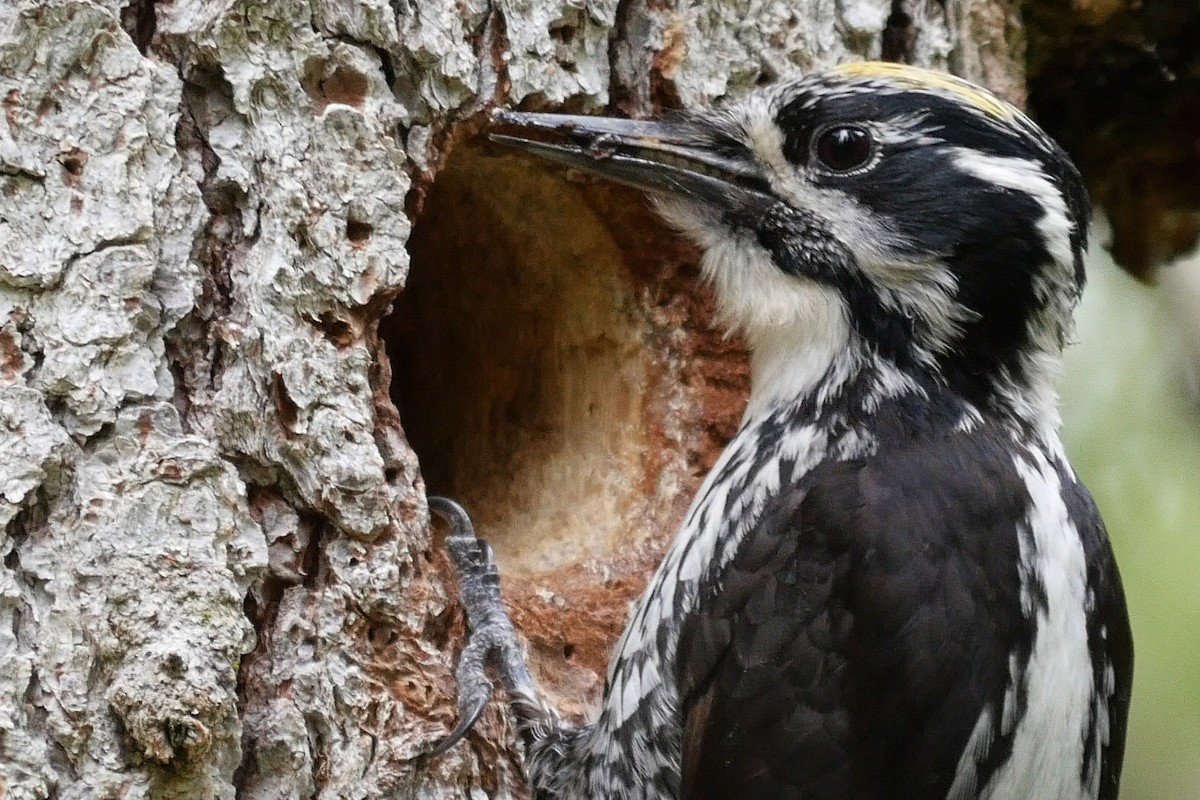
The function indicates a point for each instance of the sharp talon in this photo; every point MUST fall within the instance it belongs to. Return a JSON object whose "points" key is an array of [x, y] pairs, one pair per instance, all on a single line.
{"points": [[454, 514], [466, 720], [478, 581], [492, 636]]}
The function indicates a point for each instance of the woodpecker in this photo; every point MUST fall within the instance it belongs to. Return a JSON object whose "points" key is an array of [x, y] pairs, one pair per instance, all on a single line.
{"points": [[891, 584]]}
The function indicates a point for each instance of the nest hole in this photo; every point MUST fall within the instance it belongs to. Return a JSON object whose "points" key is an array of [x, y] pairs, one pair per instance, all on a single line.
{"points": [[524, 365]]}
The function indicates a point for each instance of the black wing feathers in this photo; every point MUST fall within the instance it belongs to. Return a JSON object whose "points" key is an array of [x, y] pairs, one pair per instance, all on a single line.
{"points": [[784, 699], [1110, 641], [859, 631]]}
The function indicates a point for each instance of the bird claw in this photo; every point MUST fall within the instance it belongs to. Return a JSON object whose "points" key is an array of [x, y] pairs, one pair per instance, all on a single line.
{"points": [[491, 630], [470, 709]]}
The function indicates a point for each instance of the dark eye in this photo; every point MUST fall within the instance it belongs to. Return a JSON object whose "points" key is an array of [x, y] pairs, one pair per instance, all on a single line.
{"points": [[843, 148]]}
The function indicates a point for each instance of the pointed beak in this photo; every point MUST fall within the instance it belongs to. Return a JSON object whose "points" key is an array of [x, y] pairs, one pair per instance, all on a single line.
{"points": [[673, 157]]}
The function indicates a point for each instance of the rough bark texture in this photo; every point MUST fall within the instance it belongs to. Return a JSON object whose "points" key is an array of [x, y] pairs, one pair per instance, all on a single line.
{"points": [[217, 573]]}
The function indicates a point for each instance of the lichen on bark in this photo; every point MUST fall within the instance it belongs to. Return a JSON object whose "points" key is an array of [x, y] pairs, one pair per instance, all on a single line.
{"points": [[218, 577]]}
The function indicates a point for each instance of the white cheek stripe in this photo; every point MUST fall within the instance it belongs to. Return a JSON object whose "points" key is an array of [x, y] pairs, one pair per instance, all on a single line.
{"points": [[1026, 176]]}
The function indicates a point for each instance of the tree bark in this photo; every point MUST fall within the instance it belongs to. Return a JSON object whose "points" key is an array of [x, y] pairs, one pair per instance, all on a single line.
{"points": [[218, 577]]}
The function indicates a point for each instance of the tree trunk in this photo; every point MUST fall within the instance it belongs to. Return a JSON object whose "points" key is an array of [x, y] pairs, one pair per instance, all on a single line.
{"points": [[218, 576]]}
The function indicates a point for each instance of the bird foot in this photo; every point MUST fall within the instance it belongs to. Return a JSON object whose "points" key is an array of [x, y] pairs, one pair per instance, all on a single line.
{"points": [[491, 630]]}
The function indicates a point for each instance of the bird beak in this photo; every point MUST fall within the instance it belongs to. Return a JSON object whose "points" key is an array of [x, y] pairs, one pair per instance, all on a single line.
{"points": [[667, 157]]}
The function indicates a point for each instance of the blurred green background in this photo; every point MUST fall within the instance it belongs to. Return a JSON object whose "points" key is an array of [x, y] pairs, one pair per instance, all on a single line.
{"points": [[1132, 427]]}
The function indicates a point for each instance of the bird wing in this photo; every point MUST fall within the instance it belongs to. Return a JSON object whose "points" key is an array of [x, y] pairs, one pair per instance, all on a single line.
{"points": [[863, 626], [1110, 641]]}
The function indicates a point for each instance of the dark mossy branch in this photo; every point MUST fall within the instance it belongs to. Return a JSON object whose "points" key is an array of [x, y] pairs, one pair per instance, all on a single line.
{"points": [[1118, 84]]}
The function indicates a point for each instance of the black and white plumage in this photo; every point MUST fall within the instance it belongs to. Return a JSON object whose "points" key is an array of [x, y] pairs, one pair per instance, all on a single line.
{"points": [[891, 585]]}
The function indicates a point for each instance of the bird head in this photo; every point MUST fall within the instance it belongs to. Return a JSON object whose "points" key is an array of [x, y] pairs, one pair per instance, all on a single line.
{"points": [[872, 214]]}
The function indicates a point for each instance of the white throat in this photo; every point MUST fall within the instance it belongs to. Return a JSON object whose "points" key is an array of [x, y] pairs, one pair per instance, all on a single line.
{"points": [[798, 330], [791, 362]]}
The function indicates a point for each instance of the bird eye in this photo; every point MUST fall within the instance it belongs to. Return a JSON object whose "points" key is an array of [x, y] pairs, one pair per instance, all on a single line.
{"points": [[843, 148]]}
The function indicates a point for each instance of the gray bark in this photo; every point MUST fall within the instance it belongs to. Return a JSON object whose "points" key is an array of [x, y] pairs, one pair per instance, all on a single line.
{"points": [[217, 574]]}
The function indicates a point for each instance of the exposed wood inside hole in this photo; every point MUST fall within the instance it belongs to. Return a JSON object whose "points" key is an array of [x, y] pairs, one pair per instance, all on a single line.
{"points": [[556, 370]]}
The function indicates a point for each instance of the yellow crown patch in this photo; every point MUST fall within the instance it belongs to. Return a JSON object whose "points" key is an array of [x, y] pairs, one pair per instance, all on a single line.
{"points": [[930, 81]]}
